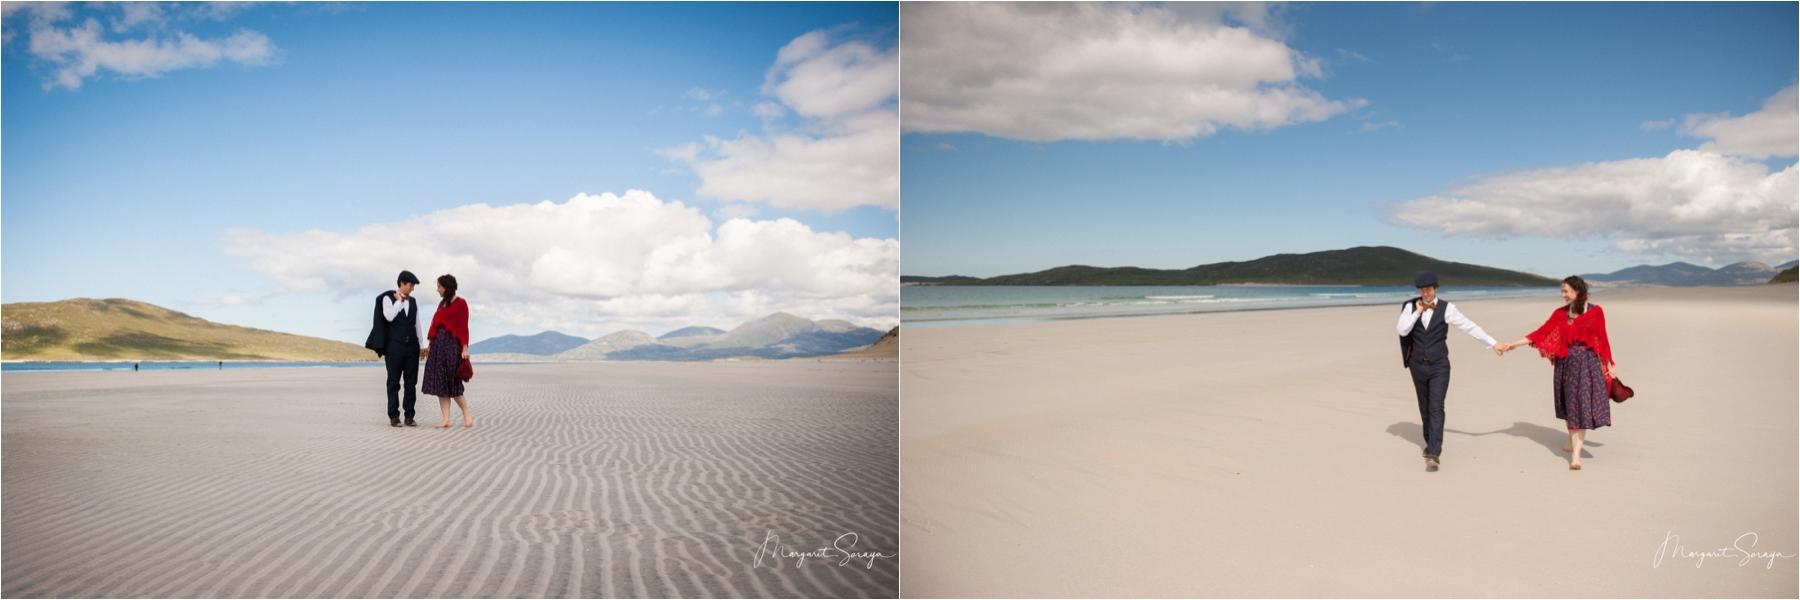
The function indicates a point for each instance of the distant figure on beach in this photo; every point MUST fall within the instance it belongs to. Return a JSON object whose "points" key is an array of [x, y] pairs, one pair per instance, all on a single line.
{"points": [[134, 367], [1423, 328], [1574, 339], [221, 365], [449, 350], [396, 335]]}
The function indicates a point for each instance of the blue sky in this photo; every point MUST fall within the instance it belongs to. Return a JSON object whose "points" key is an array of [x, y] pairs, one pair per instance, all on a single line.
{"points": [[347, 116], [1480, 96]]}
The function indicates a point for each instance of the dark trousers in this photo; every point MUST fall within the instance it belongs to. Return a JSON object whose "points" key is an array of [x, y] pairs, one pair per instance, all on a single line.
{"points": [[1431, 379], [402, 363]]}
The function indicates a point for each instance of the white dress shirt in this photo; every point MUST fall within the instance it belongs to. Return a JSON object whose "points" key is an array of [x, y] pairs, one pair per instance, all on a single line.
{"points": [[1410, 316], [391, 309]]}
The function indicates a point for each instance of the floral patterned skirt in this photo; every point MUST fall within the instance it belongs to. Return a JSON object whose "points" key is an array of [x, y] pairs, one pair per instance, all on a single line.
{"points": [[439, 377], [1580, 382]]}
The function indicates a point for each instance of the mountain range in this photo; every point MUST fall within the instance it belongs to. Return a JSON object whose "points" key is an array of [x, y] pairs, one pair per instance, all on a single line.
{"points": [[85, 329], [1688, 274], [546, 343], [780, 335], [121, 329], [1362, 265]]}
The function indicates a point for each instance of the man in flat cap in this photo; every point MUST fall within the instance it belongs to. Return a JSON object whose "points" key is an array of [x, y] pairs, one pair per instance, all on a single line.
{"points": [[399, 336], [1424, 321]]}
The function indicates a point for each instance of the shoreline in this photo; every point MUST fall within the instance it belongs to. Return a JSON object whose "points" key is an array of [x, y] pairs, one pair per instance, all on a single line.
{"points": [[11, 361], [55, 366], [1228, 308], [25, 366]]}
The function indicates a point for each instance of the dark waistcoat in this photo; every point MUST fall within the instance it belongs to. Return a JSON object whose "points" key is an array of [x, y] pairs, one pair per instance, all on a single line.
{"points": [[1426, 341]]}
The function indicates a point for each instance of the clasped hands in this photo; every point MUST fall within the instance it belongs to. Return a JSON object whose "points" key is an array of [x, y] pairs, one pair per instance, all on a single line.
{"points": [[1502, 349]]}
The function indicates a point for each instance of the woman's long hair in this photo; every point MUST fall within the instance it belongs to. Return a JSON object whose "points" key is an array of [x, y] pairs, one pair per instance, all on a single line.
{"points": [[449, 283], [1574, 282]]}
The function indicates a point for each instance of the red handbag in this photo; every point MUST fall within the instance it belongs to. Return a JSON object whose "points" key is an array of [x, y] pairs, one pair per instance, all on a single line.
{"points": [[1619, 391], [466, 370]]}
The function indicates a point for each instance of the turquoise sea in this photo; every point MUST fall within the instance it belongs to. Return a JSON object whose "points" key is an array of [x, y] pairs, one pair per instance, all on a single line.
{"points": [[954, 305]]}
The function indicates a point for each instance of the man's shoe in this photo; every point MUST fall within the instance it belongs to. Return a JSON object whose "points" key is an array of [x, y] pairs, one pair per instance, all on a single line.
{"points": [[394, 421], [410, 423], [1431, 463]]}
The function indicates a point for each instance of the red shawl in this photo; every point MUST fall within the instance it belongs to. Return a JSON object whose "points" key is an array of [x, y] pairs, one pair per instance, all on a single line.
{"points": [[454, 319], [1553, 339]]}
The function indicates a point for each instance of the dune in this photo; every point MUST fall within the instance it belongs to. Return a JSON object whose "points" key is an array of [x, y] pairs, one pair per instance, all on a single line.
{"points": [[579, 480], [1276, 453]]}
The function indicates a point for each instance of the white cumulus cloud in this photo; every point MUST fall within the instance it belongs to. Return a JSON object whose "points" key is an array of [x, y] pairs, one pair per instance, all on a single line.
{"points": [[1716, 204], [1102, 71], [1692, 204], [844, 153], [1773, 131], [595, 264]]}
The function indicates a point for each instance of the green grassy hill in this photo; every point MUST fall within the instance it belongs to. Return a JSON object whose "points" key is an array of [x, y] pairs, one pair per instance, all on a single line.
{"points": [[120, 329], [1364, 265], [1787, 276]]}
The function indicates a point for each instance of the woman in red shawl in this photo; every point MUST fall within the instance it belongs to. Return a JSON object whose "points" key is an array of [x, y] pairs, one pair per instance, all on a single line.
{"points": [[449, 333], [1574, 339]]}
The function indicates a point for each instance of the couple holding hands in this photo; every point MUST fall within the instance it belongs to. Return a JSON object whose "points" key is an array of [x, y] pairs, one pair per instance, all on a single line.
{"points": [[399, 336], [1573, 339]]}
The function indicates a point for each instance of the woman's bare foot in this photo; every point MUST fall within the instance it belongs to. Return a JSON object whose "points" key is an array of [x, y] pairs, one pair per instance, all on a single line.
{"points": [[444, 425], [1575, 465], [1567, 449], [468, 422]]}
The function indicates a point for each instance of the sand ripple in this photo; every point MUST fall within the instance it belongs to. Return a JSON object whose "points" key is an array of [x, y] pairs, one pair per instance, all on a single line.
{"points": [[579, 481]]}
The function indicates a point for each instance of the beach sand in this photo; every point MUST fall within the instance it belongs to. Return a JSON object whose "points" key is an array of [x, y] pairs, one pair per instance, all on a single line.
{"points": [[1277, 453], [589, 480]]}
